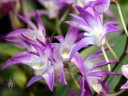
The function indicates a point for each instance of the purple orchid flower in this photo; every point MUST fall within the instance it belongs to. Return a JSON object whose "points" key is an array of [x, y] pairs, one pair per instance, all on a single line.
{"points": [[99, 6], [54, 6], [41, 63], [94, 31], [31, 34], [65, 47], [94, 76], [124, 71]]}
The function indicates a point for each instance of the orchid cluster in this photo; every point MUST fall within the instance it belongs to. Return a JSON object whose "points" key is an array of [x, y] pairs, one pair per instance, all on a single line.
{"points": [[49, 59]]}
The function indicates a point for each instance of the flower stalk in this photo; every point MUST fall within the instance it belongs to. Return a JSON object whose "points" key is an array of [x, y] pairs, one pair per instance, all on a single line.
{"points": [[111, 50], [121, 16], [106, 58], [72, 76]]}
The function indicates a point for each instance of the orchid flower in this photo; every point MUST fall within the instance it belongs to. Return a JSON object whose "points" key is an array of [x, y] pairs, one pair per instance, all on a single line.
{"points": [[54, 6], [91, 23], [99, 6], [41, 63], [65, 47], [124, 71], [17, 36], [94, 75]]}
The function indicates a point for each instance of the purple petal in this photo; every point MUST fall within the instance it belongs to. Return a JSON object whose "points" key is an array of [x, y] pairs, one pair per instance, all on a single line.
{"points": [[78, 25], [40, 24], [19, 42], [62, 78], [101, 5], [84, 88], [102, 64], [28, 22], [102, 73], [33, 80], [79, 19], [88, 17], [71, 36], [23, 57], [111, 27], [16, 33], [82, 43], [49, 78], [60, 38], [125, 86], [78, 61]]}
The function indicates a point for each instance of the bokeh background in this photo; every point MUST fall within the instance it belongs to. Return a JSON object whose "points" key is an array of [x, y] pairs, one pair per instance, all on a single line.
{"points": [[21, 74]]}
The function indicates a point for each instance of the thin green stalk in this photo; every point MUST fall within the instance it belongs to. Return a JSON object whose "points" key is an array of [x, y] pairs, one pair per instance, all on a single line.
{"points": [[106, 58], [115, 94], [72, 76], [121, 16], [111, 50]]}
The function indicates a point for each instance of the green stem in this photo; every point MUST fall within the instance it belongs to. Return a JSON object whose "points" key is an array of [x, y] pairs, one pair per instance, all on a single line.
{"points": [[115, 94], [106, 58], [72, 76], [111, 50], [121, 16]]}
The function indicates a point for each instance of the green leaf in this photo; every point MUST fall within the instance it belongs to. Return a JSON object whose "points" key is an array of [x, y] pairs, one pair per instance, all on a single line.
{"points": [[9, 49]]}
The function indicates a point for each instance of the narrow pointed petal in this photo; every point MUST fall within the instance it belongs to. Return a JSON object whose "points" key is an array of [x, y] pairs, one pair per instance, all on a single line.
{"points": [[62, 78], [33, 80], [84, 87], [78, 25], [16, 33], [19, 42], [23, 57], [71, 36], [40, 24], [79, 19], [71, 93], [101, 5], [111, 27], [78, 61], [102, 73], [90, 20], [60, 38], [28, 22], [49, 78], [125, 86], [82, 43]]}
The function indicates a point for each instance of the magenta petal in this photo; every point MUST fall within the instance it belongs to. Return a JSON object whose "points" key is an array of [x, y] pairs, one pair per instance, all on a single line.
{"points": [[78, 25], [49, 78], [60, 38], [125, 86], [23, 57], [28, 39], [101, 5], [71, 36], [82, 43], [102, 73], [78, 61], [79, 19], [16, 33], [19, 42], [111, 27], [62, 78], [88, 17], [33, 80], [40, 24], [28, 22], [84, 87]]}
